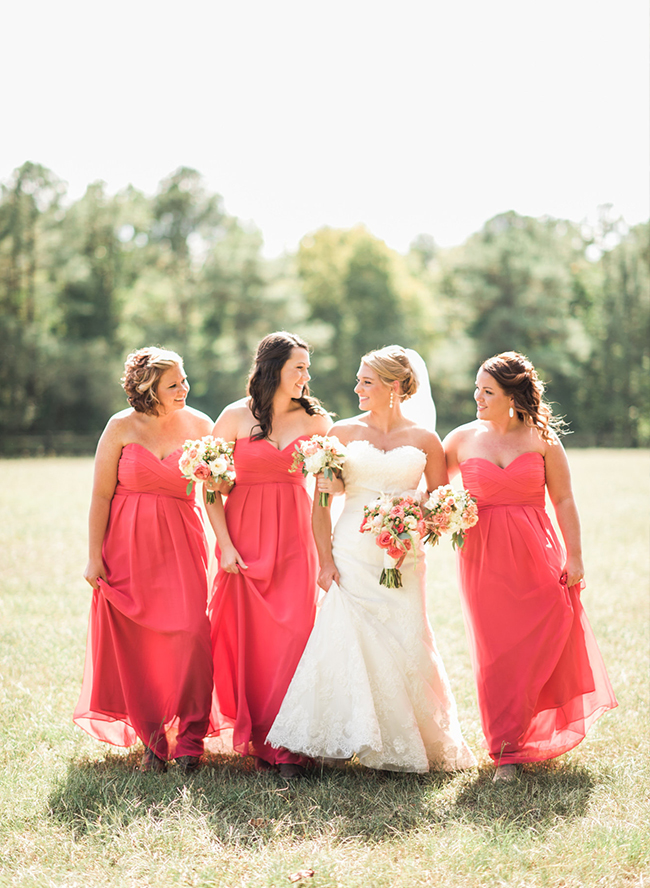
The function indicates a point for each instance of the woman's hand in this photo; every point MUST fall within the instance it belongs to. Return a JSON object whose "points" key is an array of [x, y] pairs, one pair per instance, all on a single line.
{"points": [[327, 575], [572, 572], [231, 561], [224, 486], [335, 486], [95, 571]]}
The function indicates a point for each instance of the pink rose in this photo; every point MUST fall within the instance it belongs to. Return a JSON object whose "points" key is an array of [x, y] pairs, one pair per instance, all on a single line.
{"points": [[202, 472], [385, 539], [394, 552], [192, 453]]}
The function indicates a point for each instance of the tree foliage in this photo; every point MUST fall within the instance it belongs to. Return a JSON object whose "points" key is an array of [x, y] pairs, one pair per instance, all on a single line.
{"points": [[83, 283]]}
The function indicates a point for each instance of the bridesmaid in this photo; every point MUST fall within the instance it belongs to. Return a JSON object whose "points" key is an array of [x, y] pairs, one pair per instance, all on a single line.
{"points": [[148, 671], [540, 677], [265, 592]]}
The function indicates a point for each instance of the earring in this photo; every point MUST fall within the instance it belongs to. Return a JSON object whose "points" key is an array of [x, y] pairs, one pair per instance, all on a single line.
{"points": [[392, 399], [511, 413]]}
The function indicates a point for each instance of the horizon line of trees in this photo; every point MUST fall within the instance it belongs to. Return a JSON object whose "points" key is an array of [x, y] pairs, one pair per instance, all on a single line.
{"points": [[85, 283]]}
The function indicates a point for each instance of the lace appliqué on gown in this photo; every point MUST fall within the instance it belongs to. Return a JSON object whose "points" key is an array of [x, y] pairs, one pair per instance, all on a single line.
{"points": [[371, 682]]}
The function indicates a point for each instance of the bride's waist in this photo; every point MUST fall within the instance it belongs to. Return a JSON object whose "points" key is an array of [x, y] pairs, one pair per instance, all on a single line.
{"points": [[364, 495]]}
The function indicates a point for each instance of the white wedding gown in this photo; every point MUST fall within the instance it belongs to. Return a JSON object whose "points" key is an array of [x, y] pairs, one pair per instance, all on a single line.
{"points": [[371, 682]]}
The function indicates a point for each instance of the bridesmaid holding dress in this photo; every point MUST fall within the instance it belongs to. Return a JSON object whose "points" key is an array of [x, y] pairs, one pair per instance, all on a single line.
{"points": [[264, 598], [540, 677], [148, 671]]}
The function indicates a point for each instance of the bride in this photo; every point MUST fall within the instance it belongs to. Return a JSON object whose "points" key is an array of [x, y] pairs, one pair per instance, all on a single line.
{"points": [[371, 682]]}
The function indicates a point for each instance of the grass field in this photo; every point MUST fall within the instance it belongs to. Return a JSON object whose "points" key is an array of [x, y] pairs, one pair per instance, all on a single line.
{"points": [[74, 812]]}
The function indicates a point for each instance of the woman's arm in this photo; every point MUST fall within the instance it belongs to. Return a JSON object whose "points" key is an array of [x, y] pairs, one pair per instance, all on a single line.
{"points": [[435, 471], [321, 522], [230, 559], [450, 447], [558, 482], [229, 427], [335, 486], [107, 458]]}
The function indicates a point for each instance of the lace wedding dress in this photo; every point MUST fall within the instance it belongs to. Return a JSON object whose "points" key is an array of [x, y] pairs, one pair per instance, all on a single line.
{"points": [[371, 682]]}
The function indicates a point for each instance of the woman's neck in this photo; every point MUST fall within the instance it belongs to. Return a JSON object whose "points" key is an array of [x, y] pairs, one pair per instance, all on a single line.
{"points": [[386, 421], [283, 404]]}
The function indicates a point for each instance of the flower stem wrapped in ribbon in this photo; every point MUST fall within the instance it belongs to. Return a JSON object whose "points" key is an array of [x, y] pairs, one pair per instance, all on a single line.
{"points": [[398, 524], [449, 511], [320, 453], [206, 459]]}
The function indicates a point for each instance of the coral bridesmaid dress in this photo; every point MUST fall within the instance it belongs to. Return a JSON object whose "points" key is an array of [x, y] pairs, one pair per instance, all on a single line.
{"points": [[261, 617], [540, 677], [148, 671]]}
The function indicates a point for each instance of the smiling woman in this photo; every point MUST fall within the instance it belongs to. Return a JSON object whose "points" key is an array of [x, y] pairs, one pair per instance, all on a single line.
{"points": [[148, 670], [540, 677], [264, 601]]}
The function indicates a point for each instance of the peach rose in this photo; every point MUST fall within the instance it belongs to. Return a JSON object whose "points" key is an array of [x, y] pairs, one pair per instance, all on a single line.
{"points": [[384, 539]]}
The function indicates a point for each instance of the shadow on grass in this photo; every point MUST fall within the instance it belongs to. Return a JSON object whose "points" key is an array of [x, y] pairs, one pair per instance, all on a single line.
{"points": [[239, 806], [542, 795]]}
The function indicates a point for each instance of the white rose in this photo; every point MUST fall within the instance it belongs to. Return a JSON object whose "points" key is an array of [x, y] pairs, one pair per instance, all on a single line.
{"points": [[314, 464], [219, 465]]}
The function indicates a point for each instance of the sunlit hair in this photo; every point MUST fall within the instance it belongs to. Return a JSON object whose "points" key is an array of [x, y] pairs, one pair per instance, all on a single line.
{"points": [[515, 374], [391, 364], [272, 354], [142, 371]]}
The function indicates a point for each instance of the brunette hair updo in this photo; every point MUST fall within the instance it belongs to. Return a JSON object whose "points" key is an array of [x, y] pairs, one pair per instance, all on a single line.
{"points": [[272, 354], [142, 371], [391, 364], [515, 374]]}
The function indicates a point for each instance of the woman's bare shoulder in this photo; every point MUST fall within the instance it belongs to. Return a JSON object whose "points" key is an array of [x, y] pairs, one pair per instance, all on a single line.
{"points": [[346, 430], [121, 423], [199, 420], [321, 423], [240, 408], [423, 438], [463, 432]]}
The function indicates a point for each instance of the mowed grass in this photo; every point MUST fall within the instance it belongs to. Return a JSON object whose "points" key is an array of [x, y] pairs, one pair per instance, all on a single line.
{"points": [[74, 812]]}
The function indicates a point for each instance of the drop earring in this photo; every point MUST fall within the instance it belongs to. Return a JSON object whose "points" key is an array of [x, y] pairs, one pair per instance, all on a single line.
{"points": [[511, 413], [392, 399]]}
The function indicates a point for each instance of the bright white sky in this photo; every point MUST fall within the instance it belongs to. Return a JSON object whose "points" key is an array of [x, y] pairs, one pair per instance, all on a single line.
{"points": [[409, 116]]}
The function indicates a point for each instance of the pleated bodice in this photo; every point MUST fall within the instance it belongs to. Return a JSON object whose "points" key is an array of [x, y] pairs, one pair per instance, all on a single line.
{"points": [[259, 462], [521, 483], [141, 471]]}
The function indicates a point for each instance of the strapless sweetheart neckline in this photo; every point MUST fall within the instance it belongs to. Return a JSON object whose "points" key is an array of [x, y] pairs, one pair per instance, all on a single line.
{"points": [[142, 447], [379, 449], [266, 441], [503, 468]]}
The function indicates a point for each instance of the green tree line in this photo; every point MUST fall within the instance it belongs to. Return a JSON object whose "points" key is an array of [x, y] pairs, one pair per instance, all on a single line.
{"points": [[83, 283]]}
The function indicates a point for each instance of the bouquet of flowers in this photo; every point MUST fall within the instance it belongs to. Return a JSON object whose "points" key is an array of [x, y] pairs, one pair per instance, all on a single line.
{"points": [[398, 523], [320, 453], [204, 459], [449, 511]]}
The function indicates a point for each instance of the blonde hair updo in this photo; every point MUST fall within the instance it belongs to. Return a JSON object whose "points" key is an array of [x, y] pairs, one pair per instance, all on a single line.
{"points": [[391, 364], [142, 371]]}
